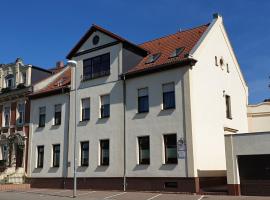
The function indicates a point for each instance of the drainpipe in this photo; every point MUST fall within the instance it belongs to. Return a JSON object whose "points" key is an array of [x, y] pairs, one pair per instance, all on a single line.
{"points": [[124, 99]]}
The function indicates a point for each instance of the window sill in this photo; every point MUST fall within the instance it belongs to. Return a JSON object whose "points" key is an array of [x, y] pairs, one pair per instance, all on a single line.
{"points": [[56, 125], [20, 125], [40, 127], [54, 167], [85, 120], [230, 118], [89, 79], [169, 164], [142, 112], [105, 117], [172, 108]]}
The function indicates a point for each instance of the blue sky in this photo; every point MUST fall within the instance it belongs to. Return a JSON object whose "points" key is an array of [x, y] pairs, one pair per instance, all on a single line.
{"points": [[43, 32]]}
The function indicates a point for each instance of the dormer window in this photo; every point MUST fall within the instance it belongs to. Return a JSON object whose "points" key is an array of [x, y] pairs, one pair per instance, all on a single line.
{"points": [[96, 67], [177, 52], [9, 81], [152, 58]]}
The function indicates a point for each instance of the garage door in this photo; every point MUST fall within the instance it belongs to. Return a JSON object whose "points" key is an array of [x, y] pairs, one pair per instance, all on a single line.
{"points": [[254, 171]]}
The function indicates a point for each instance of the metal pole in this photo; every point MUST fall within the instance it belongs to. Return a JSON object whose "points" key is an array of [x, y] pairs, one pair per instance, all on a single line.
{"points": [[73, 64], [75, 138]]}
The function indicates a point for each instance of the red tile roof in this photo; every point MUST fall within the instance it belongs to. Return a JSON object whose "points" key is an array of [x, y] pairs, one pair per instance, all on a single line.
{"points": [[61, 82], [166, 45]]}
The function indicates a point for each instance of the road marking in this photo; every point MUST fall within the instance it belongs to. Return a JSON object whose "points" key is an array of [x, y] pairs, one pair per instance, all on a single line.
{"points": [[201, 197], [115, 195], [154, 197], [31, 191], [84, 193]]}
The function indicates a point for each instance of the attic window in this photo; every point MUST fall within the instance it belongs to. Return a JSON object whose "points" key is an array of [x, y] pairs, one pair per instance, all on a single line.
{"points": [[177, 52], [152, 58]]}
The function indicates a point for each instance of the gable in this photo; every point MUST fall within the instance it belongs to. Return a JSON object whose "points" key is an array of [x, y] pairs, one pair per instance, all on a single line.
{"points": [[103, 40]]}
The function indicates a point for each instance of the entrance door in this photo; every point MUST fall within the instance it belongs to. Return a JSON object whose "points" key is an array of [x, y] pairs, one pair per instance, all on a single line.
{"points": [[254, 171], [19, 156]]}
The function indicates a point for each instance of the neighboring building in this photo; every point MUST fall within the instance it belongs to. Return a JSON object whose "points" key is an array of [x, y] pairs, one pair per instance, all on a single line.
{"points": [[15, 84], [259, 117], [248, 154], [49, 128]]}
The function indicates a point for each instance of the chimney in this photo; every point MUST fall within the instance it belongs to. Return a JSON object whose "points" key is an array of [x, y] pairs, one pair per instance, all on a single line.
{"points": [[60, 64]]}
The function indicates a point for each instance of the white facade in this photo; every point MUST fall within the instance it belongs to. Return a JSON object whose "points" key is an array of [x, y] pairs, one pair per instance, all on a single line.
{"points": [[97, 128], [48, 136]]}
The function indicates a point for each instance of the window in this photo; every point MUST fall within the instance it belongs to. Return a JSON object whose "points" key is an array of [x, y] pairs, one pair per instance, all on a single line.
{"points": [[20, 113], [228, 107], [57, 114], [168, 96], [152, 58], [105, 106], [85, 109], [177, 52], [42, 116], [84, 153], [40, 156], [96, 67], [170, 149], [143, 103], [6, 116], [56, 155], [104, 152], [9, 81], [144, 150]]}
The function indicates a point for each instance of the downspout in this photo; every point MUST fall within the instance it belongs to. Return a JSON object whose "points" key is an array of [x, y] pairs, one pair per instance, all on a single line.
{"points": [[124, 99]]}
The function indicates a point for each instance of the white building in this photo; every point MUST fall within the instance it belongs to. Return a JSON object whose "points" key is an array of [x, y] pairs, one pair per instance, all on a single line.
{"points": [[146, 117], [49, 129]]}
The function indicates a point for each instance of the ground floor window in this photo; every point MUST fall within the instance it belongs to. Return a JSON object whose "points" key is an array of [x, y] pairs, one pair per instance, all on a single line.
{"points": [[144, 150], [40, 156], [104, 152], [84, 153], [170, 146], [56, 155]]}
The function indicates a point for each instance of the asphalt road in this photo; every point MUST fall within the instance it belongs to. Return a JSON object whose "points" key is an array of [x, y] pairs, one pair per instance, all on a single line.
{"points": [[53, 194]]}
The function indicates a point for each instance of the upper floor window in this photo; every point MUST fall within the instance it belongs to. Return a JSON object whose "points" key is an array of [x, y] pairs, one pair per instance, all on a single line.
{"points": [[84, 153], [85, 109], [228, 107], [96, 67], [9, 81], [42, 116], [57, 114], [105, 106], [168, 96], [40, 156], [56, 155], [6, 116], [104, 152], [170, 149], [144, 150], [21, 111], [143, 102]]}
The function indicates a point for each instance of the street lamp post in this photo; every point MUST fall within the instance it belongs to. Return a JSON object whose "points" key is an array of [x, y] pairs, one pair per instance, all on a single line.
{"points": [[73, 64]]}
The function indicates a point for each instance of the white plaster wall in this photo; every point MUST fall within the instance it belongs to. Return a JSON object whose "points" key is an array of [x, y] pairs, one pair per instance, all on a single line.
{"points": [[259, 117], [103, 39], [96, 129], [155, 123], [49, 135], [208, 82], [244, 144]]}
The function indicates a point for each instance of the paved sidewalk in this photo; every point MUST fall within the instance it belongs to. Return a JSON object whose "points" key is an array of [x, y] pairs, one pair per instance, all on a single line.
{"points": [[54, 194]]}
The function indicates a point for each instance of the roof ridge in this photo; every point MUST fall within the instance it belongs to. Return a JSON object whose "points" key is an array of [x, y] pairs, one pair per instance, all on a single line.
{"points": [[189, 29]]}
